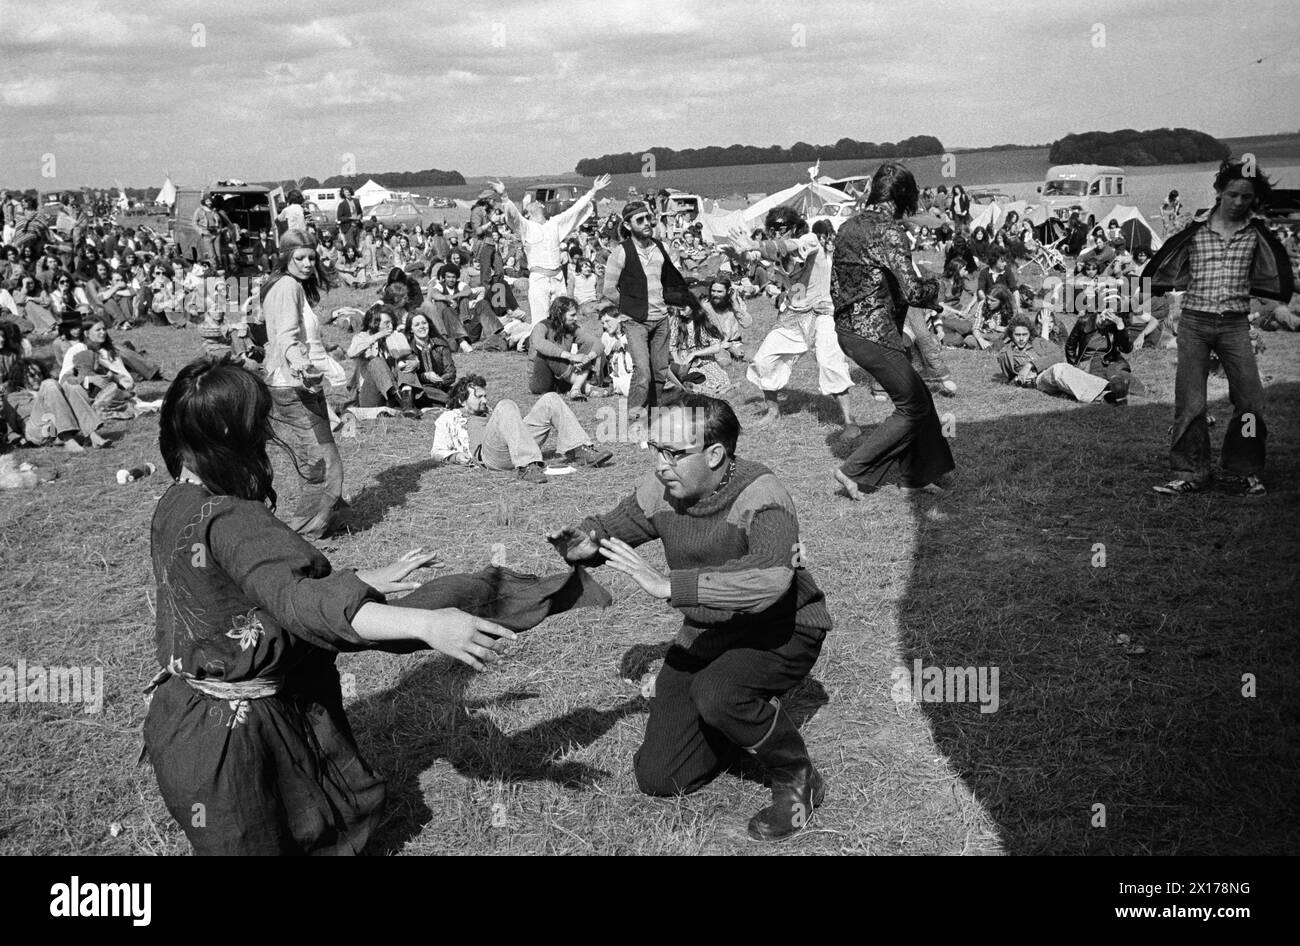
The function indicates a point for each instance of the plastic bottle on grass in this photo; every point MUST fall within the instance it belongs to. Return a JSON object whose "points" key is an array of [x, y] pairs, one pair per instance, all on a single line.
{"points": [[135, 473]]}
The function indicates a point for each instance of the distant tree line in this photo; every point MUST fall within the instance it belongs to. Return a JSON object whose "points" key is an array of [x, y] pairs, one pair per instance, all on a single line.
{"points": [[668, 159], [1137, 148], [396, 179]]}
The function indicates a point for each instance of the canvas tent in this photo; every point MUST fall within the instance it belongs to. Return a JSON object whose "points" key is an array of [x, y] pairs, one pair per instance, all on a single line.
{"points": [[810, 199], [166, 193], [1137, 232], [371, 193]]}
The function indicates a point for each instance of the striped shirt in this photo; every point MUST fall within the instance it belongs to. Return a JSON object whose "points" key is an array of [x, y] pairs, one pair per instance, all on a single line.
{"points": [[1220, 270]]}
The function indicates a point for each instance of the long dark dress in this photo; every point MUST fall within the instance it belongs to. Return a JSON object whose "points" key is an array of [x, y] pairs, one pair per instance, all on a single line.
{"points": [[246, 729], [872, 284]]}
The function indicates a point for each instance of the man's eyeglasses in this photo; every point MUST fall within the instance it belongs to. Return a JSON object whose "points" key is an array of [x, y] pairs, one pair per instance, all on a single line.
{"points": [[671, 455]]}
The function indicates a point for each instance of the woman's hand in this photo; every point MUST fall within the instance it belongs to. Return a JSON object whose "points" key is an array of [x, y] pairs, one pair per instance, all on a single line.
{"points": [[623, 558], [573, 544], [473, 641], [389, 579]]}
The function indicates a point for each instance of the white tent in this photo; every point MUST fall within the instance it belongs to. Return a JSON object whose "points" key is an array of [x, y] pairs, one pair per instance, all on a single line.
{"points": [[167, 193], [371, 193], [810, 199], [1134, 226], [991, 216]]}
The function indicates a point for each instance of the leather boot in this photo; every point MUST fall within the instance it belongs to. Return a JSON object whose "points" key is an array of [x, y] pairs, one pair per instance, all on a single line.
{"points": [[797, 788], [408, 404]]}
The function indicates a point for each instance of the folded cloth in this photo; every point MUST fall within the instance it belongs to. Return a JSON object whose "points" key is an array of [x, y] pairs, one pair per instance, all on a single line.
{"points": [[512, 599]]}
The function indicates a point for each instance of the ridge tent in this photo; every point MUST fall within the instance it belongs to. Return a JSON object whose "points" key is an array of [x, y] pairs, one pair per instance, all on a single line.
{"points": [[1137, 232], [371, 193]]}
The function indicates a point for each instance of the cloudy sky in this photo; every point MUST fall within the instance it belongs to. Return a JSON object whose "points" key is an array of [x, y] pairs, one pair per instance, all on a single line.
{"points": [[97, 92]]}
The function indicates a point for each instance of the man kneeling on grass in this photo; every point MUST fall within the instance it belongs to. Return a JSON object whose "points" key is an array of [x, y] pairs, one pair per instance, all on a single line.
{"points": [[754, 618], [502, 439]]}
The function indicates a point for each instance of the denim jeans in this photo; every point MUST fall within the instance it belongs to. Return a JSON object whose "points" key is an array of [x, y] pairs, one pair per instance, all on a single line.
{"points": [[511, 440], [1199, 334], [300, 419], [647, 343], [908, 447]]}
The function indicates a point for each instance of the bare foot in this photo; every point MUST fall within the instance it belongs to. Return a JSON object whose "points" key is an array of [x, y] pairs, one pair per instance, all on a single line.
{"points": [[98, 442], [847, 486], [72, 446], [767, 417]]}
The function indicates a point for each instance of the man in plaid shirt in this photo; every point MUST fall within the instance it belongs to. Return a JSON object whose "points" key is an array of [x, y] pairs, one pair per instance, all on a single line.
{"points": [[1221, 260]]}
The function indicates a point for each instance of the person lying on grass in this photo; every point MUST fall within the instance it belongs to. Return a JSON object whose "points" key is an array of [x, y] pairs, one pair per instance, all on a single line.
{"points": [[469, 434], [245, 729], [754, 619]]}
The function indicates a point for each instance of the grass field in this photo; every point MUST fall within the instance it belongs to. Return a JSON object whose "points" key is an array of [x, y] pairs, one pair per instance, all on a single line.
{"points": [[535, 756]]}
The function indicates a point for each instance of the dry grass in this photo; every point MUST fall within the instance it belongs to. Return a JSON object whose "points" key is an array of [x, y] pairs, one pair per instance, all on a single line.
{"points": [[535, 757]]}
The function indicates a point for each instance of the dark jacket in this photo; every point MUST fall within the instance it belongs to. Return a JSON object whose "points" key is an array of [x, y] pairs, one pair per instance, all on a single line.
{"points": [[634, 297], [1118, 344], [1270, 273]]}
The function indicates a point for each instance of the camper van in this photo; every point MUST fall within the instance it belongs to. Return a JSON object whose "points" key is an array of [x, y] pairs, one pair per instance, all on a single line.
{"points": [[1091, 189], [247, 206]]}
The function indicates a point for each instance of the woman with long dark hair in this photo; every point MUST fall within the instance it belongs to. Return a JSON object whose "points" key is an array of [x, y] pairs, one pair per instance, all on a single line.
{"points": [[246, 729], [872, 284], [297, 369]]}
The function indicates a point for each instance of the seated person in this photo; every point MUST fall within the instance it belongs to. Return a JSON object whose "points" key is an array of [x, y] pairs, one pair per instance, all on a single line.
{"points": [[693, 346], [997, 273], [618, 357], [452, 303], [95, 364], [729, 314], [375, 352], [350, 269], [585, 287], [46, 412], [466, 433], [1097, 344], [565, 353], [980, 244], [1099, 250], [221, 338], [429, 371]]}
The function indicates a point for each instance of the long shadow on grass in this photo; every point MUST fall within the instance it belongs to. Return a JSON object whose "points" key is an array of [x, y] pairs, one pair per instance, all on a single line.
{"points": [[426, 718], [1121, 624], [371, 505]]}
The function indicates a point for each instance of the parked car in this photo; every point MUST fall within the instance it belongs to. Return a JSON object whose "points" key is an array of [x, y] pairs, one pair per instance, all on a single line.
{"points": [[442, 203], [392, 213]]}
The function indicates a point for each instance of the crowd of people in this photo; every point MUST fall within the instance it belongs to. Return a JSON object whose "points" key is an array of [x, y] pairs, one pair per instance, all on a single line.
{"points": [[251, 614]]}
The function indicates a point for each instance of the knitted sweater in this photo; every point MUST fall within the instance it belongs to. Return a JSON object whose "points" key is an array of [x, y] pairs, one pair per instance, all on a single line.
{"points": [[734, 561]]}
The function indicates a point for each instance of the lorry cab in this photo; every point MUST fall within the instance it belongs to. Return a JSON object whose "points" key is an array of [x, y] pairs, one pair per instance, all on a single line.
{"points": [[1091, 189], [247, 207]]}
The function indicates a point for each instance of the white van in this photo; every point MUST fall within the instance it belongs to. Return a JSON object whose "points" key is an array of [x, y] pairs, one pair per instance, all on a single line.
{"points": [[326, 199], [1091, 189]]}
